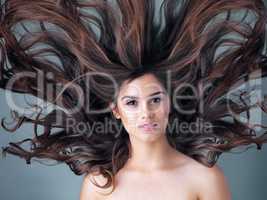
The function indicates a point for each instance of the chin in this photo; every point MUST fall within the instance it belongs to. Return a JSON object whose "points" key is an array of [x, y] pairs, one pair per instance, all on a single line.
{"points": [[149, 136]]}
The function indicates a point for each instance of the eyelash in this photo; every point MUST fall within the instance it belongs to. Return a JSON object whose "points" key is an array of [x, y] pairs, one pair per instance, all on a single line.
{"points": [[129, 103]]}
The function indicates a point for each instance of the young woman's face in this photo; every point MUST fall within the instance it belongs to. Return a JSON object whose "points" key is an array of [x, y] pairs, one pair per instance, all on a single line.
{"points": [[143, 106]]}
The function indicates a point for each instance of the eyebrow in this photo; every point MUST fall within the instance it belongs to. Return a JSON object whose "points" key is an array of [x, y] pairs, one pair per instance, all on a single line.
{"points": [[153, 94]]}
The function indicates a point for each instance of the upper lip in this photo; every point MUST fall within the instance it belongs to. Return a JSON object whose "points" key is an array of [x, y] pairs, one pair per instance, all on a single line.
{"points": [[147, 124]]}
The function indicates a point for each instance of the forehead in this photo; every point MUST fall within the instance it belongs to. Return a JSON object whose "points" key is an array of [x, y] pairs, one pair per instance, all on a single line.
{"points": [[141, 86]]}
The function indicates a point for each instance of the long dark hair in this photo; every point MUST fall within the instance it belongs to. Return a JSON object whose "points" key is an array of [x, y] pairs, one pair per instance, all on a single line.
{"points": [[215, 46]]}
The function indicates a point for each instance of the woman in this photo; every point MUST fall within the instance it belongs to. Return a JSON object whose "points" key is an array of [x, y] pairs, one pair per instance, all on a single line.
{"points": [[155, 170], [85, 56]]}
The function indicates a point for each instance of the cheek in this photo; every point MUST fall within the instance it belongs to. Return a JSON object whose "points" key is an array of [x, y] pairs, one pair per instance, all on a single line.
{"points": [[164, 110], [163, 115], [129, 119]]}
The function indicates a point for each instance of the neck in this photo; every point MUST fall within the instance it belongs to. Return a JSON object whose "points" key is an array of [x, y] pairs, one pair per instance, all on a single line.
{"points": [[150, 156]]}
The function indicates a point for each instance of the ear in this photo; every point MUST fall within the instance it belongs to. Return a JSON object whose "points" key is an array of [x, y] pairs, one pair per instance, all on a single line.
{"points": [[114, 110]]}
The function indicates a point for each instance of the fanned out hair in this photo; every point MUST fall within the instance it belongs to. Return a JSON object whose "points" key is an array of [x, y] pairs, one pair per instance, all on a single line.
{"points": [[215, 46]]}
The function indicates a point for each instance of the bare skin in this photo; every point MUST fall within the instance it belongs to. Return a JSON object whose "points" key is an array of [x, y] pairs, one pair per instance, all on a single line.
{"points": [[154, 170]]}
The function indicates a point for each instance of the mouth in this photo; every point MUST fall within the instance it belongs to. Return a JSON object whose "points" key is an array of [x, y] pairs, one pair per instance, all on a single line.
{"points": [[148, 126]]}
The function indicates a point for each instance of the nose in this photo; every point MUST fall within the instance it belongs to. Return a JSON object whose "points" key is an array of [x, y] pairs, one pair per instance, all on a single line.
{"points": [[146, 111]]}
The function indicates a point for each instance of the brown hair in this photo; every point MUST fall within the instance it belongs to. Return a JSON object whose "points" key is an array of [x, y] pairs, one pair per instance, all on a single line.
{"points": [[203, 43]]}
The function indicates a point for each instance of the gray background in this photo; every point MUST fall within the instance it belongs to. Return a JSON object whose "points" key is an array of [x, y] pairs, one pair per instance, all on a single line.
{"points": [[245, 172]]}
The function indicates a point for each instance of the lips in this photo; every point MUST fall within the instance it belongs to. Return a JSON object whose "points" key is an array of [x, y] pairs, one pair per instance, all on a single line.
{"points": [[148, 126]]}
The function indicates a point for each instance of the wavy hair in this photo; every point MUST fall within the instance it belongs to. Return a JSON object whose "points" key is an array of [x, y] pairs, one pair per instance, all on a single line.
{"points": [[214, 46]]}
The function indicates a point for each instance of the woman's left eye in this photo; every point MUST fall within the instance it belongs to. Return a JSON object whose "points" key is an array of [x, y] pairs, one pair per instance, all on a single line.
{"points": [[156, 100]]}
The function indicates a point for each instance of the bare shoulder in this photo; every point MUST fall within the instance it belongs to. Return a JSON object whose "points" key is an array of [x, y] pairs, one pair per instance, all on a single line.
{"points": [[210, 182], [89, 191]]}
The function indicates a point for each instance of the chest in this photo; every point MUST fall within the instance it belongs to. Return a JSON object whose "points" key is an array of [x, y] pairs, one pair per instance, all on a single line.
{"points": [[153, 188]]}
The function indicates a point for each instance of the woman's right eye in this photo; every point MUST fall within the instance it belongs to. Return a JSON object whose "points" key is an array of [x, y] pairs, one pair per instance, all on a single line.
{"points": [[131, 103]]}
